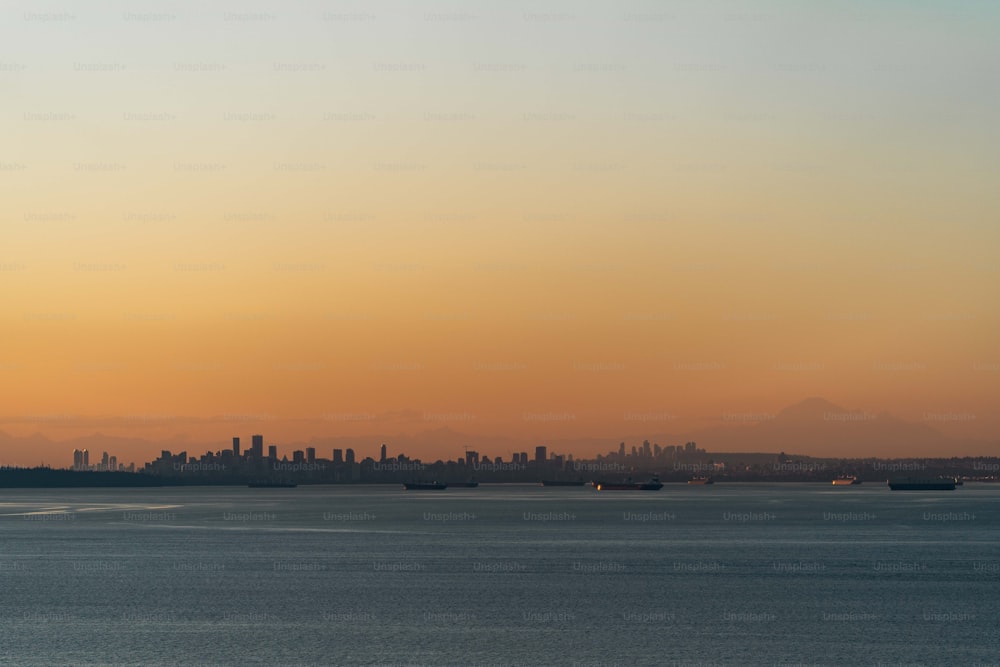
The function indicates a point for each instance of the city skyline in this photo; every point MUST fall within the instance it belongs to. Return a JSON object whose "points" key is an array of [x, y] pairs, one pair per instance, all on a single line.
{"points": [[235, 465], [813, 427]]}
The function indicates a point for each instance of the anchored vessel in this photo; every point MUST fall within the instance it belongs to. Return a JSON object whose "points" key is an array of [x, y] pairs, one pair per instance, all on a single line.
{"points": [[701, 480], [465, 485], [910, 484], [846, 481], [653, 484], [424, 486]]}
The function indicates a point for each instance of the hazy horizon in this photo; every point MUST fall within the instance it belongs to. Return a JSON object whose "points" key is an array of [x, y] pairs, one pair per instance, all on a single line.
{"points": [[812, 427]]}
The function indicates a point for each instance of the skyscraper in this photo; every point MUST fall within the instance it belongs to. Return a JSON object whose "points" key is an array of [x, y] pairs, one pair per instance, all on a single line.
{"points": [[272, 452], [338, 456], [349, 456], [257, 448], [382, 454], [310, 455], [541, 453], [236, 447]]}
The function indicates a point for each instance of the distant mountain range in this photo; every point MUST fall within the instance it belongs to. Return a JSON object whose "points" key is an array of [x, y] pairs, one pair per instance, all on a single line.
{"points": [[813, 427], [819, 428]]}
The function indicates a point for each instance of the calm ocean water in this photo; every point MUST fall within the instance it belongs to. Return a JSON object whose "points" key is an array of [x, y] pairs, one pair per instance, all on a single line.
{"points": [[741, 574]]}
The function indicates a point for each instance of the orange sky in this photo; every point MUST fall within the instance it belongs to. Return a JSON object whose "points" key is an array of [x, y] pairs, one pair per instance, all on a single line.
{"points": [[308, 219]]}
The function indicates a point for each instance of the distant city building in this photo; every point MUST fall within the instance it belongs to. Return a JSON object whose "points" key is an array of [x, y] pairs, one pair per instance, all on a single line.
{"points": [[298, 456], [310, 455], [541, 453], [272, 452], [382, 454], [108, 463], [338, 456], [349, 455], [257, 448], [236, 447]]}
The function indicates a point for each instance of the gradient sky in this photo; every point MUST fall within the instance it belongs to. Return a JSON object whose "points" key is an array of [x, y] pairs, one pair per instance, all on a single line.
{"points": [[529, 220]]}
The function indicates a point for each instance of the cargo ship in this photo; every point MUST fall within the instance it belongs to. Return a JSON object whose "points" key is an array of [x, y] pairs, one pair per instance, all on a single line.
{"points": [[424, 486], [701, 480], [562, 482], [910, 484], [464, 485], [653, 484], [847, 480]]}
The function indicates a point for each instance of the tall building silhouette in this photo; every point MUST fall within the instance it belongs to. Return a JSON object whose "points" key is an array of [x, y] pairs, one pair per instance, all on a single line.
{"points": [[257, 449], [272, 452], [310, 455], [338, 456], [236, 447], [382, 454], [541, 453], [349, 455]]}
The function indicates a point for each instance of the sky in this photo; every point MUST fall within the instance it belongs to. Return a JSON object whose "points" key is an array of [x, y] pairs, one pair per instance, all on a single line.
{"points": [[522, 220]]}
